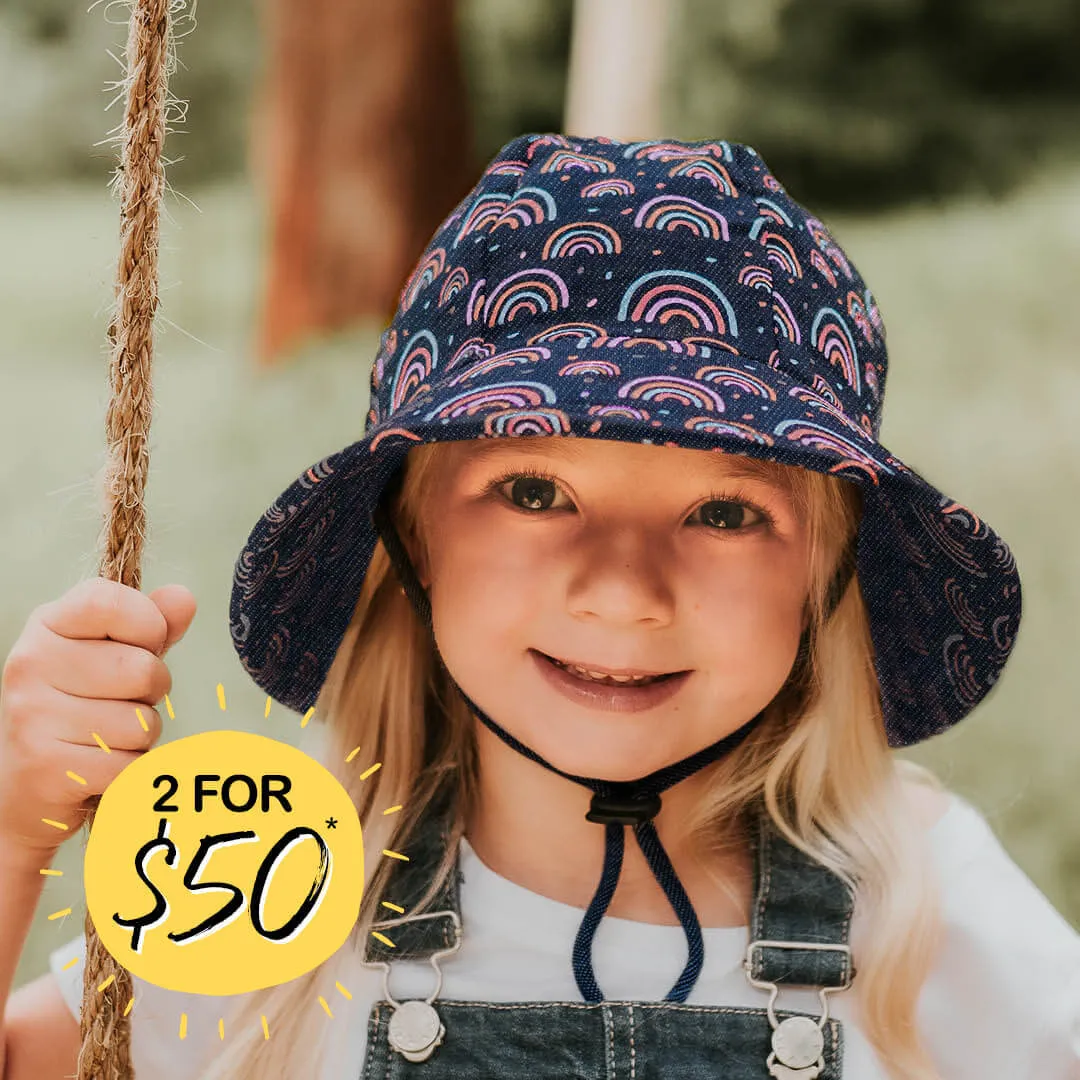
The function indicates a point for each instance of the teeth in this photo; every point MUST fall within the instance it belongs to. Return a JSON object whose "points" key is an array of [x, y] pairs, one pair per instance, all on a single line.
{"points": [[600, 676]]}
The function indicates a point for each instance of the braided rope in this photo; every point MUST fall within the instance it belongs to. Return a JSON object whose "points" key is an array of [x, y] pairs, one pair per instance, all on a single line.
{"points": [[104, 1026]]}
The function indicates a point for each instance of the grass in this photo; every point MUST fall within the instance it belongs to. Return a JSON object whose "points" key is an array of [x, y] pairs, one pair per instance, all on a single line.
{"points": [[983, 397]]}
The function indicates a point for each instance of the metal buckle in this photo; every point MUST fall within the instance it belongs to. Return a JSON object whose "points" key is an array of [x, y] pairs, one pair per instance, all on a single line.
{"points": [[415, 1030], [774, 990], [434, 958]]}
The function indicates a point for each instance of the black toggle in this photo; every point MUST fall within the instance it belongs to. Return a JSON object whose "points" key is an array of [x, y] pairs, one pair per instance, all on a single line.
{"points": [[625, 810]]}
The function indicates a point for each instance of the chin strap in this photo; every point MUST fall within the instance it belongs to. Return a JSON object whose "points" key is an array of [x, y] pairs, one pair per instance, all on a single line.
{"points": [[615, 805], [635, 803]]}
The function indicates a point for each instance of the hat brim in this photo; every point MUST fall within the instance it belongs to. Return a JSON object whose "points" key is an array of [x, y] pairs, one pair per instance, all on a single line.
{"points": [[941, 587]]}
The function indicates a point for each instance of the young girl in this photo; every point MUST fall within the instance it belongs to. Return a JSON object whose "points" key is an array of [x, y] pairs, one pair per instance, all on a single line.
{"points": [[625, 595]]}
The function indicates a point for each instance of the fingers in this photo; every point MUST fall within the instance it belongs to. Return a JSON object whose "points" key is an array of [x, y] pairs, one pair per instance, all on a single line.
{"points": [[102, 609], [94, 669], [177, 605], [76, 722], [105, 610]]}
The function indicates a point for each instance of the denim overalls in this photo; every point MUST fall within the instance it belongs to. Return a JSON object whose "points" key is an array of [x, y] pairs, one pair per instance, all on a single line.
{"points": [[799, 937]]}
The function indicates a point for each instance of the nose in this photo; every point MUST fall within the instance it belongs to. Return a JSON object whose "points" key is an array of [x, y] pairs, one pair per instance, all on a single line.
{"points": [[622, 576]]}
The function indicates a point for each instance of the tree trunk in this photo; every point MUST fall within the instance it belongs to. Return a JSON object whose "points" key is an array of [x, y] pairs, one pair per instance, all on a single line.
{"points": [[363, 144], [618, 67]]}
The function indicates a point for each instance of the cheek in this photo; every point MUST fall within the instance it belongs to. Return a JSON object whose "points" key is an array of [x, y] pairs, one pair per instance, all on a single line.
{"points": [[749, 612], [487, 581]]}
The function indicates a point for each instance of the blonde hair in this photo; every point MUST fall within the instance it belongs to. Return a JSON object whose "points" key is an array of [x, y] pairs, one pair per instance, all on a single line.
{"points": [[819, 763]]}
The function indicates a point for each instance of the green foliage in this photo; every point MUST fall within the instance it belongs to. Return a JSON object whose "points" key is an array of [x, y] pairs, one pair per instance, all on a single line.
{"points": [[515, 58], [855, 103], [870, 102], [58, 75]]}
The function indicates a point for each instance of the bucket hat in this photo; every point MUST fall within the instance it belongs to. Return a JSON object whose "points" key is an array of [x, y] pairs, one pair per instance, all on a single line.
{"points": [[658, 292]]}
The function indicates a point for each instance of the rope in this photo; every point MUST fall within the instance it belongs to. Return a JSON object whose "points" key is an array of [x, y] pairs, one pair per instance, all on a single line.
{"points": [[104, 1025]]}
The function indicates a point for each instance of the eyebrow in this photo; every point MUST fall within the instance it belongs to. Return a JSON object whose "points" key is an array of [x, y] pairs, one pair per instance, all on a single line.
{"points": [[736, 466]]}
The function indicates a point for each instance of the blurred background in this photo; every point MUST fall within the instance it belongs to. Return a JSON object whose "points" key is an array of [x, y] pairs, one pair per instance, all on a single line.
{"points": [[940, 142]]}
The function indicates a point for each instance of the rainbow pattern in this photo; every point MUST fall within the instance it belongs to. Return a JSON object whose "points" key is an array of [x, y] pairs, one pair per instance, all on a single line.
{"points": [[537, 143], [663, 344], [511, 395], [778, 249], [584, 333], [961, 669], [608, 187], [618, 412], [822, 388], [757, 277], [533, 291], [581, 238], [663, 388], [562, 160], [816, 437], [474, 348], [696, 344], [817, 260], [662, 295], [707, 169], [424, 274], [957, 601], [771, 209], [603, 368], [856, 310], [499, 360], [832, 338], [871, 379], [670, 212], [482, 214], [875, 315], [784, 320], [387, 347], [661, 150], [476, 302], [737, 380], [950, 540], [530, 206], [828, 245], [825, 405], [519, 422], [711, 426], [456, 280], [506, 168], [389, 434], [421, 356]]}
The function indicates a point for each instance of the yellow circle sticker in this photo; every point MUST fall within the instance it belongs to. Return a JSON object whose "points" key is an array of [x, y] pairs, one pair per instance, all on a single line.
{"points": [[222, 863]]}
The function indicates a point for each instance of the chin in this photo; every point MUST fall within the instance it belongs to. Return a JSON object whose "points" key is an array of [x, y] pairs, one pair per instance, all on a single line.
{"points": [[609, 751]]}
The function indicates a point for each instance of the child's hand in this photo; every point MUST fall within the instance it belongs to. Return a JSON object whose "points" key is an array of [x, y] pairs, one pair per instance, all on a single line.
{"points": [[81, 666]]}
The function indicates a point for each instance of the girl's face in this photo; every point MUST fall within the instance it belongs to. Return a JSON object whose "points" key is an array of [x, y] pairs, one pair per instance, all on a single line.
{"points": [[621, 559]]}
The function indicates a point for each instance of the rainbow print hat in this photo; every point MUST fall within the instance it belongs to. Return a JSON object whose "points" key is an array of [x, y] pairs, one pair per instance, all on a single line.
{"points": [[654, 292]]}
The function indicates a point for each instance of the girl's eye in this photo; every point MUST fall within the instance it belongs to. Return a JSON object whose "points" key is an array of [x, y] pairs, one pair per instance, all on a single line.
{"points": [[726, 514], [530, 492]]}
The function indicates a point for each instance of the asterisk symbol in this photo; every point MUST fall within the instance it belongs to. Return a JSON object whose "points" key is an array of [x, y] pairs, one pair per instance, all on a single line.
{"points": [[331, 823]]}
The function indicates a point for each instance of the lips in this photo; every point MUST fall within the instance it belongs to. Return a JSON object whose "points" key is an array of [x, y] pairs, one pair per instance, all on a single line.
{"points": [[612, 691]]}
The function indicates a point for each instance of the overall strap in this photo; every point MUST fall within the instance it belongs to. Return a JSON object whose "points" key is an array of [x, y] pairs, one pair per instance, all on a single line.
{"points": [[798, 902], [419, 935]]}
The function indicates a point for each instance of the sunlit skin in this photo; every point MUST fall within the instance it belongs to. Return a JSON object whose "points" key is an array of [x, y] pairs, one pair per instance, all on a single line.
{"points": [[629, 558]]}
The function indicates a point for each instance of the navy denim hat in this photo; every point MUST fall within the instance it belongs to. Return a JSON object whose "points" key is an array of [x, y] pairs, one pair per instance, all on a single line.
{"points": [[655, 292]]}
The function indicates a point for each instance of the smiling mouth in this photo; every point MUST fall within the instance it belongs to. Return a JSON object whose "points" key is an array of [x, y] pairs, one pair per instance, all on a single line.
{"points": [[607, 678]]}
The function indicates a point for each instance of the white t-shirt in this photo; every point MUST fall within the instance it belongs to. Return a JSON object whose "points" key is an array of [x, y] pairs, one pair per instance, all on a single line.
{"points": [[1002, 1001]]}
